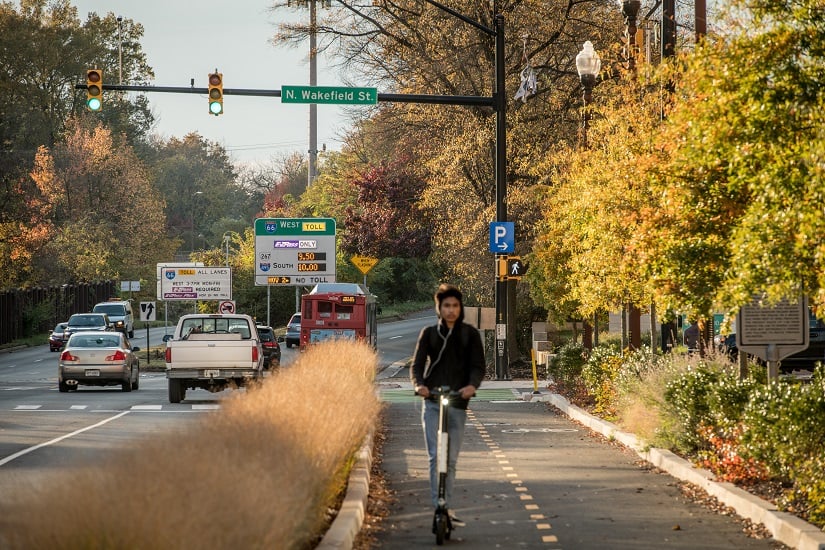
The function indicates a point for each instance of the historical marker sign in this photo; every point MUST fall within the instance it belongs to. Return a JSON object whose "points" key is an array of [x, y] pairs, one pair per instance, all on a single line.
{"points": [[773, 332]]}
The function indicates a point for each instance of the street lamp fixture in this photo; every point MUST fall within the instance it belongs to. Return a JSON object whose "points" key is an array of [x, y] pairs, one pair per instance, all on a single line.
{"points": [[588, 65]]}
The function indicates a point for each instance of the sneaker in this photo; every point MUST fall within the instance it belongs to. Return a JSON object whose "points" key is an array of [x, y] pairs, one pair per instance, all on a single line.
{"points": [[455, 521]]}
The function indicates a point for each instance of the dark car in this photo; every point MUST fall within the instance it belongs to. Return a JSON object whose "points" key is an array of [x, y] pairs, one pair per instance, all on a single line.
{"points": [[83, 322], [57, 337], [271, 347], [293, 331], [806, 359]]}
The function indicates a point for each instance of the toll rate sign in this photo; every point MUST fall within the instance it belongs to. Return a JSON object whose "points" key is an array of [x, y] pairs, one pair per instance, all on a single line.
{"points": [[294, 251]]}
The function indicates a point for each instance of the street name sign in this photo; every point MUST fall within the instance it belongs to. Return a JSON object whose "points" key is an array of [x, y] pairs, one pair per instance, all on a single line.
{"points": [[294, 251], [196, 283], [330, 95]]}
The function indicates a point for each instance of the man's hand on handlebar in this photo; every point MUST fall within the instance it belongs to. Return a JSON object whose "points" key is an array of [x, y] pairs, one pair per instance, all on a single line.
{"points": [[467, 391], [423, 391]]}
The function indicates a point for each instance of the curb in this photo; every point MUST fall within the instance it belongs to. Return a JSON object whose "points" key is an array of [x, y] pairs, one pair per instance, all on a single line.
{"points": [[346, 525], [786, 528]]}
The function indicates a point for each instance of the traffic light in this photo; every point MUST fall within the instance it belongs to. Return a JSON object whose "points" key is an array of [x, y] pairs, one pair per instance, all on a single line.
{"points": [[216, 93], [94, 89]]}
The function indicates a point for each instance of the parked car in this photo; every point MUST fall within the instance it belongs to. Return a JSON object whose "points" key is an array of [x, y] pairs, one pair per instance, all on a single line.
{"points": [[120, 314], [293, 331], [806, 359], [271, 347], [57, 337], [98, 358], [84, 322]]}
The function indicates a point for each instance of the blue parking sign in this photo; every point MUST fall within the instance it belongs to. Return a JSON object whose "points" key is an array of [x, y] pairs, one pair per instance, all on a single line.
{"points": [[502, 237]]}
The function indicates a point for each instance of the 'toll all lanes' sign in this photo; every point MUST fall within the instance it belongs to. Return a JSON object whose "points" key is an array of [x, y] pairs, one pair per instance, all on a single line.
{"points": [[196, 283]]}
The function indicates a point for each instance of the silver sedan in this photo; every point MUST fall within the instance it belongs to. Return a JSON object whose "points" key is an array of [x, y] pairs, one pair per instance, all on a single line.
{"points": [[98, 358]]}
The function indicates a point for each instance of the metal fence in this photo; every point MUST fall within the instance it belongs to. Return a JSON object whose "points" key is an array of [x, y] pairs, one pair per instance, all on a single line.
{"points": [[29, 311]]}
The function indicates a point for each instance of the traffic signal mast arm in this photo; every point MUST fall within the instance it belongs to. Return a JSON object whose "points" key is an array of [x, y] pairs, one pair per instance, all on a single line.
{"points": [[472, 100]]}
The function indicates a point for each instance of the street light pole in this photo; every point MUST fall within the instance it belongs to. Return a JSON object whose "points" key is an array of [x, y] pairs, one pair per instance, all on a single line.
{"points": [[502, 349], [119, 49], [500, 106], [588, 65], [226, 239], [192, 234]]}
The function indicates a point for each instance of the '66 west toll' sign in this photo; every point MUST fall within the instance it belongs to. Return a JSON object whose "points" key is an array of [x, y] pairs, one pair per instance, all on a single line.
{"points": [[195, 283], [294, 251]]}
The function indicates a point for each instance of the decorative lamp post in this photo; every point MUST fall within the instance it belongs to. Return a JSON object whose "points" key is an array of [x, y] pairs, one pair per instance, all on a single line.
{"points": [[588, 65]]}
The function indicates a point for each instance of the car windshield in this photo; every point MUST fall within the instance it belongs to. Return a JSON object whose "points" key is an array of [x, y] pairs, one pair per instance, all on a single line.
{"points": [[60, 328], [265, 334], [87, 321], [111, 309], [95, 342]]}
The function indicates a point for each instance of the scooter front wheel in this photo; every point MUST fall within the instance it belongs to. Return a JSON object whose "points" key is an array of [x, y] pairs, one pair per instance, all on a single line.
{"points": [[441, 528]]}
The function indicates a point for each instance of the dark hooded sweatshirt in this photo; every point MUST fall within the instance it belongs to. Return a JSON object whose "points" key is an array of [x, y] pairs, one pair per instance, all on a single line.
{"points": [[459, 365]]}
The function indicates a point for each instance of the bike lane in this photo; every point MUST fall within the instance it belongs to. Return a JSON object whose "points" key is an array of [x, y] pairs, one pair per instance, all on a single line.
{"points": [[529, 477]]}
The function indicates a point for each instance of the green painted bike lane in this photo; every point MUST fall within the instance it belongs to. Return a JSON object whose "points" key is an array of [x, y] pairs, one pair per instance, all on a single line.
{"points": [[395, 395]]}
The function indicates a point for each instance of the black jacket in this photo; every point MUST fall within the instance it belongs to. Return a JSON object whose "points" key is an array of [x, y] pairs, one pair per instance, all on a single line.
{"points": [[461, 363]]}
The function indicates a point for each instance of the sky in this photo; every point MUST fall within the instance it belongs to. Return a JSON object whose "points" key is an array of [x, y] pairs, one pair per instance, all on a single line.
{"points": [[179, 45]]}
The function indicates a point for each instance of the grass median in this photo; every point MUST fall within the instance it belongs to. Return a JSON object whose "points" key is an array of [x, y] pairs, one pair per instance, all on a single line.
{"points": [[260, 473]]}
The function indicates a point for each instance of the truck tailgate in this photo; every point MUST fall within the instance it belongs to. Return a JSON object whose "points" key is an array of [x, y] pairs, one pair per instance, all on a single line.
{"points": [[224, 354]]}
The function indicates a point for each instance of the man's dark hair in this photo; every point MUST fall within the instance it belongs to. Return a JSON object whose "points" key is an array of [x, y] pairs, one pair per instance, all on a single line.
{"points": [[446, 290]]}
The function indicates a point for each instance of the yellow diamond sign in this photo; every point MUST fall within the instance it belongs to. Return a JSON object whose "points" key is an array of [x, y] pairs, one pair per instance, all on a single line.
{"points": [[364, 263]]}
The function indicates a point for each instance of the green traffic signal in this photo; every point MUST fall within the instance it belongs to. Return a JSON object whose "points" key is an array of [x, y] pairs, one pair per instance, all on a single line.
{"points": [[94, 89], [216, 93]]}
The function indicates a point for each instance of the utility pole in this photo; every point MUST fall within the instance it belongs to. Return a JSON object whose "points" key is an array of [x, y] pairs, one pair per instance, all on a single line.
{"points": [[313, 81]]}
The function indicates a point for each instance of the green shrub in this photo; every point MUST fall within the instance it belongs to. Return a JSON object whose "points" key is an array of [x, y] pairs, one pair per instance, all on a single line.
{"points": [[599, 374], [786, 424], [689, 398], [785, 429], [565, 370]]}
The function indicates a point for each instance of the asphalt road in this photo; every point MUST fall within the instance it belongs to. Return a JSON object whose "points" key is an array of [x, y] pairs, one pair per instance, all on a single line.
{"points": [[528, 477], [43, 431]]}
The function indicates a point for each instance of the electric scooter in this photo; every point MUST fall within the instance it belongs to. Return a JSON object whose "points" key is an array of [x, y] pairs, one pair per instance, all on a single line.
{"points": [[442, 525]]}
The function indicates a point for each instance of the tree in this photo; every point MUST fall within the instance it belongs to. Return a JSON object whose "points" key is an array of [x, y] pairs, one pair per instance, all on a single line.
{"points": [[102, 208], [200, 186], [741, 199], [45, 51], [413, 47], [387, 220]]}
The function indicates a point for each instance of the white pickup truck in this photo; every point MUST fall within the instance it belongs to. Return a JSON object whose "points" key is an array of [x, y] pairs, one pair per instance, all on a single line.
{"points": [[213, 352]]}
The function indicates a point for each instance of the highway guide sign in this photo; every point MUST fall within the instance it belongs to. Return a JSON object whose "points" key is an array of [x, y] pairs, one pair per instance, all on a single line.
{"points": [[294, 251], [196, 283]]}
